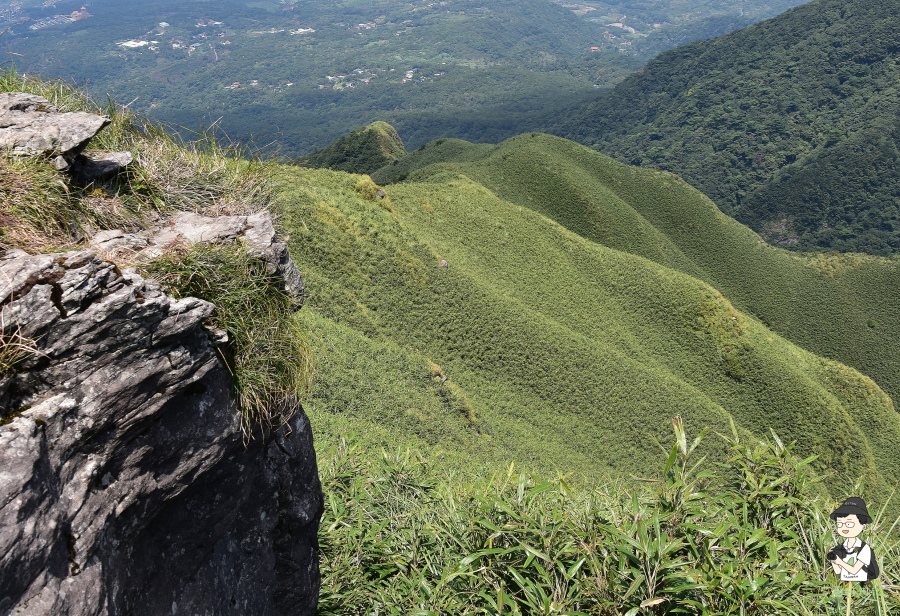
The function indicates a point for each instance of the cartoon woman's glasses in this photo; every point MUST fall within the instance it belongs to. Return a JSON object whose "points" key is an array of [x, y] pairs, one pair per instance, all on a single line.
{"points": [[846, 524]]}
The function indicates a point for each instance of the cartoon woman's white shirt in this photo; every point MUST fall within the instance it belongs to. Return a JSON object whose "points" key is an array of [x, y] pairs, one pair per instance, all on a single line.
{"points": [[864, 555]]}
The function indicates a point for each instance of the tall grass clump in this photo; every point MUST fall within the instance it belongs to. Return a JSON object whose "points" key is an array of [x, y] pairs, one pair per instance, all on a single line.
{"points": [[269, 358], [402, 535], [207, 174], [14, 347]]}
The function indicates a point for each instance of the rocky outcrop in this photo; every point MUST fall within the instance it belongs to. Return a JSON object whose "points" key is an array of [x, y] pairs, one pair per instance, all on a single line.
{"points": [[257, 232], [125, 484], [30, 125]]}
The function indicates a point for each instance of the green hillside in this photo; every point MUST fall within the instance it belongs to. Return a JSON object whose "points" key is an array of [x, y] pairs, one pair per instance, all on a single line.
{"points": [[562, 352], [363, 150], [789, 125], [495, 392], [838, 306]]}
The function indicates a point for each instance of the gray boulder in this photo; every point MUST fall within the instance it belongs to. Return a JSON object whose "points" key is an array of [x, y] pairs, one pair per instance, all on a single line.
{"points": [[125, 483], [30, 125]]}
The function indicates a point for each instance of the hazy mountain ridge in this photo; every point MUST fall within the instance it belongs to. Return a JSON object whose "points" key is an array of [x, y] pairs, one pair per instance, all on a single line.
{"points": [[302, 73]]}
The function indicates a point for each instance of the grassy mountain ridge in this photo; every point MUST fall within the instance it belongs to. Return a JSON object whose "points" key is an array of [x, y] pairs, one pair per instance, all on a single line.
{"points": [[571, 354], [837, 306], [778, 123]]}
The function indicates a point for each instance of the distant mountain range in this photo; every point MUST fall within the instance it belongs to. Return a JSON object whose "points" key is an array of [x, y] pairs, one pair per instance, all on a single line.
{"points": [[301, 74], [790, 125]]}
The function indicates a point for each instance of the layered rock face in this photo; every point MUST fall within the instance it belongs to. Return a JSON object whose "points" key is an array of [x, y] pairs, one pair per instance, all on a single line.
{"points": [[30, 125], [126, 486]]}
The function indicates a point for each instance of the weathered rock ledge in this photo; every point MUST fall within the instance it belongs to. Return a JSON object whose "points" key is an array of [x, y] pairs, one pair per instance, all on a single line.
{"points": [[256, 232], [125, 484], [30, 125]]}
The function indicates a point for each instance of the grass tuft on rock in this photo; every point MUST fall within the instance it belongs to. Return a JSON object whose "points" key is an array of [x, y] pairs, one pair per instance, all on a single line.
{"points": [[14, 347], [45, 210], [267, 353]]}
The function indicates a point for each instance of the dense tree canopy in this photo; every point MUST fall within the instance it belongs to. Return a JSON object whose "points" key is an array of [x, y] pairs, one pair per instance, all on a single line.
{"points": [[790, 125]]}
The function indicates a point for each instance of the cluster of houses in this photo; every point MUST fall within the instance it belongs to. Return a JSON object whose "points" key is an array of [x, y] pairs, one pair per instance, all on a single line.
{"points": [[254, 83], [359, 76], [363, 76], [11, 12], [60, 19], [177, 43]]}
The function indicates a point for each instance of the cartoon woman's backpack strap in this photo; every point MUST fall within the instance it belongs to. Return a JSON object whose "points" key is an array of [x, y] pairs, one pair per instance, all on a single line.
{"points": [[872, 570]]}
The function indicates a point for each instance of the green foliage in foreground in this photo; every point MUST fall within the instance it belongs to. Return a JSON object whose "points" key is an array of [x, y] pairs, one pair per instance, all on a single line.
{"points": [[790, 125], [364, 150], [268, 355], [401, 535]]}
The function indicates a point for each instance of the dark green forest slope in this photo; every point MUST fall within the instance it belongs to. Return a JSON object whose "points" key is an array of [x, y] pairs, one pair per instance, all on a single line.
{"points": [[664, 25], [469, 310], [790, 125]]}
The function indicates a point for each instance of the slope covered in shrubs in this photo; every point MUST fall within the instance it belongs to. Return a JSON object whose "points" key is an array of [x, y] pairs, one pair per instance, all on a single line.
{"points": [[838, 306]]}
